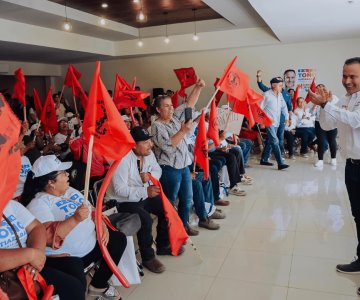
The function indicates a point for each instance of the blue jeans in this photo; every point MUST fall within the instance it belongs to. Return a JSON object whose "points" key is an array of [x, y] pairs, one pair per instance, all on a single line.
{"points": [[177, 183], [203, 192], [280, 134], [271, 143], [307, 135], [246, 146]]}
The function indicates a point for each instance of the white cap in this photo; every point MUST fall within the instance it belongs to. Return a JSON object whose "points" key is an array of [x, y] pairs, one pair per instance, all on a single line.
{"points": [[126, 118], [62, 119], [47, 164], [69, 115]]}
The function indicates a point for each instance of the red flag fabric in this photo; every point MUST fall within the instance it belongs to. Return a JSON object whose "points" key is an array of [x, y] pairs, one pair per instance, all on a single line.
{"points": [[201, 147], [253, 96], [19, 87], [175, 99], [234, 82], [187, 77], [121, 85], [313, 89], [111, 136], [296, 95], [213, 130], [242, 107], [176, 230], [259, 115], [37, 103], [10, 158], [72, 80], [219, 93], [48, 115], [128, 98]]}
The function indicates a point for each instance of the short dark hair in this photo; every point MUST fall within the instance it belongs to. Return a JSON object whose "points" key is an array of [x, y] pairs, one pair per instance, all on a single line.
{"points": [[353, 60], [289, 70]]}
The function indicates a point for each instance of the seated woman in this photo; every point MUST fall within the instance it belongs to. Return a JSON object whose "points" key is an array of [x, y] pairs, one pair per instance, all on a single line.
{"points": [[32, 237], [70, 231]]}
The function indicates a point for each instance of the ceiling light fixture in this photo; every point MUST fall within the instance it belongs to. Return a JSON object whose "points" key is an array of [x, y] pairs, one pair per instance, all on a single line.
{"points": [[166, 40], [66, 25], [195, 36], [102, 22], [136, 1], [141, 17], [140, 42], [104, 5]]}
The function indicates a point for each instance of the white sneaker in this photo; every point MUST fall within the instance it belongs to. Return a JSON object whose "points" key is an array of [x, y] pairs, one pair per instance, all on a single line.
{"points": [[108, 293], [333, 162], [319, 164]]}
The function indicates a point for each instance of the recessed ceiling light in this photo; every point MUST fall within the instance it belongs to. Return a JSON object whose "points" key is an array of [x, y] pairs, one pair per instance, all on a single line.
{"points": [[102, 22], [140, 43], [104, 5]]}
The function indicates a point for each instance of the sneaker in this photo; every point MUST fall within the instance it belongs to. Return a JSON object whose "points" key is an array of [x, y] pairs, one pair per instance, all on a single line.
{"points": [[245, 181], [358, 291], [333, 162], [167, 251], [319, 164], [237, 191], [283, 166], [351, 268], [191, 231], [209, 224], [265, 163], [292, 157], [154, 265], [217, 215], [107, 293]]}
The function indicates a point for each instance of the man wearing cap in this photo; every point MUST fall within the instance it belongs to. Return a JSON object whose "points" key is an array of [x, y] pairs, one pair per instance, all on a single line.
{"points": [[132, 189], [63, 137], [274, 105]]}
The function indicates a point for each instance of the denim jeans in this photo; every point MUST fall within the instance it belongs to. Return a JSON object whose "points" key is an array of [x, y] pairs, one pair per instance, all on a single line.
{"points": [[246, 146], [271, 144], [203, 192], [177, 183], [215, 167], [280, 133], [307, 135]]}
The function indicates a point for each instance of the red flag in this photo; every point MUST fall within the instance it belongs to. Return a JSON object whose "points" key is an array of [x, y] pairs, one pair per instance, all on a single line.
{"points": [[234, 82], [187, 77], [313, 89], [48, 115], [219, 93], [176, 230], [19, 87], [72, 80], [130, 99], [37, 103], [111, 136], [253, 96], [296, 95], [242, 107], [175, 99], [213, 130], [201, 147], [260, 116], [10, 158], [121, 85]]}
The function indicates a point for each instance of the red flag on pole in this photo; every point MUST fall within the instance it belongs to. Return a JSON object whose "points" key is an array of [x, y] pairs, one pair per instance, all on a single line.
{"points": [[37, 103], [201, 147], [72, 80], [219, 93], [175, 99], [296, 95], [19, 87], [187, 77], [242, 107], [253, 96], [213, 130], [70, 75], [234, 82], [48, 115], [176, 230], [128, 98], [10, 158], [313, 89], [111, 136], [121, 85], [260, 116]]}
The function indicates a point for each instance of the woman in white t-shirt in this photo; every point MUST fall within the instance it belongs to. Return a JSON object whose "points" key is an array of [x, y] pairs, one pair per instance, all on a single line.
{"points": [[32, 236], [71, 237]]}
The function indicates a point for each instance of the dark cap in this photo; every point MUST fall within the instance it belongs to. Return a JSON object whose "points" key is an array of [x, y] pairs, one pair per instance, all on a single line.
{"points": [[276, 80], [140, 134]]}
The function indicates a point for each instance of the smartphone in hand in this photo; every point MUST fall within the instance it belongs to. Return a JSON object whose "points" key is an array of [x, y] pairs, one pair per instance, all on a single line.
{"points": [[188, 114]]}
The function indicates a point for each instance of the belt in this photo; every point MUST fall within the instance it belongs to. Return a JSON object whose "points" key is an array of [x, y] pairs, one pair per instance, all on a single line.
{"points": [[353, 161]]}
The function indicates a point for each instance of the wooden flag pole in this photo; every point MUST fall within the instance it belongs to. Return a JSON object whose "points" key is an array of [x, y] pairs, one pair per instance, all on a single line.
{"points": [[24, 110], [76, 111], [88, 168], [62, 91], [212, 98], [37, 129]]}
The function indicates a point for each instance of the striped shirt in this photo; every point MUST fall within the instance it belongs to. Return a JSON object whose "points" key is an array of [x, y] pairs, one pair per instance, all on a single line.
{"points": [[177, 157]]}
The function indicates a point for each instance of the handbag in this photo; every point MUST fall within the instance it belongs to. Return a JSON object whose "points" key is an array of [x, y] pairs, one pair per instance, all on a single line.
{"points": [[18, 284]]}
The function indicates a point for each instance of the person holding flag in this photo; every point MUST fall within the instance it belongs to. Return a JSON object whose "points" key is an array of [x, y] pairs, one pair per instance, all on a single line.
{"points": [[274, 105], [135, 193]]}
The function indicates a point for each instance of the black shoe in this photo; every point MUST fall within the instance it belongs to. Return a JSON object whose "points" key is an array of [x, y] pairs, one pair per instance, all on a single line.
{"points": [[266, 163], [358, 291], [167, 251], [154, 265], [351, 268], [283, 166]]}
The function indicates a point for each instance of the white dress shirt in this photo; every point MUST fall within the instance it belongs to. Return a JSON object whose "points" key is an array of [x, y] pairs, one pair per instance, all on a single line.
{"points": [[344, 115], [126, 184], [274, 105], [305, 118]]}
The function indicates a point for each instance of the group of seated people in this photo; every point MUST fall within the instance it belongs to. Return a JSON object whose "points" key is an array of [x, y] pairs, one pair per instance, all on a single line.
{"points": [[55, 224]]}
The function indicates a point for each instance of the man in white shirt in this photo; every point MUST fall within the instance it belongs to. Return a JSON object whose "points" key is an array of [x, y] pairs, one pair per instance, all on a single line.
{"points": [[345, 115], [134, 192], [273, 105]]}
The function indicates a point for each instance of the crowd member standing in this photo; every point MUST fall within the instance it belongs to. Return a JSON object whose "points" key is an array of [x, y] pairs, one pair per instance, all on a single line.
{"points": [[345, 115], [274, 105]]}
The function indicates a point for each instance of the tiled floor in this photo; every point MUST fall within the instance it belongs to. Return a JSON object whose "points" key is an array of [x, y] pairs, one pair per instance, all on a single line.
{"points": [[281, 241]]}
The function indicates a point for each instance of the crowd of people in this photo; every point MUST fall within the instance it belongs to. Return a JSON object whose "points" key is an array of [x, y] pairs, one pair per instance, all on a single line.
{"points": [[56, 226]]}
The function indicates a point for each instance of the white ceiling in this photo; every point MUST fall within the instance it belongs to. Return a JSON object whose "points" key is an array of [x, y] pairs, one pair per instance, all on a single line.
{"points": [[31, 30]]}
